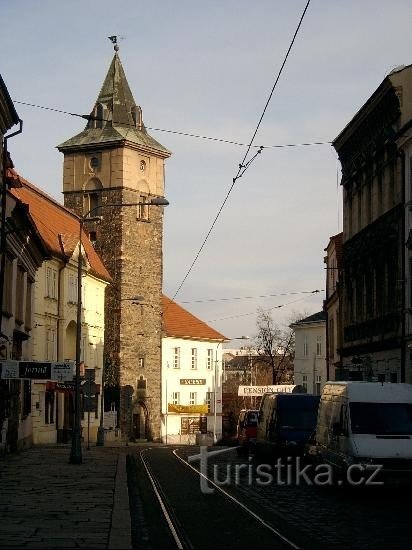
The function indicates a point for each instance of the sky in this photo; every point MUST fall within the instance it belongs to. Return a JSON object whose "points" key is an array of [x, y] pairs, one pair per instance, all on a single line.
{"points": [[207, 68]]}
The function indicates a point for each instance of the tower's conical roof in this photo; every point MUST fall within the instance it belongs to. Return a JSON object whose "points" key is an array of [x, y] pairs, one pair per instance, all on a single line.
{"points": [[116, 93], [115, 117]]}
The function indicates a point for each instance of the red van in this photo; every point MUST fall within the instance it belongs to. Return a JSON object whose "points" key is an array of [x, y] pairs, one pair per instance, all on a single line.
{"points": [[246, 430]]}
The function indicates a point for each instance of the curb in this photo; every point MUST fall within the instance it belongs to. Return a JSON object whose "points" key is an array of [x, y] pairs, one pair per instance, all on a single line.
{"points": [[120, 528]]}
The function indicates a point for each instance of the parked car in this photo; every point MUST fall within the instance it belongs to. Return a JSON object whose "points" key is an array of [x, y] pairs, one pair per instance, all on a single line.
{"points": [[285, 423], [246, 430], [365, 423]]}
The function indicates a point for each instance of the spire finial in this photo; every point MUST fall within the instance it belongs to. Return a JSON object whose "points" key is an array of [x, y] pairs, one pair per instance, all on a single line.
{"points": [[113, 40]]}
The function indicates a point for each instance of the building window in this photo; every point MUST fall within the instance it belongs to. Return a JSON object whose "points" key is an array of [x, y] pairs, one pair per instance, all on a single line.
{"points": [[331, 338], [51, 347], [92, 236], [72, 294], [176, 358], [209, 360], [305, 346], [49, 407], [318, 384], [94, 163], [176, 398], [192, 398], [305, 382], [143, 208], [194, 358], [94, 204], [394, 377], [51, 283], [141, 362], [208, 400], [318, 346], [8, 286], [20, 295], [142, 165], [29, 293]]}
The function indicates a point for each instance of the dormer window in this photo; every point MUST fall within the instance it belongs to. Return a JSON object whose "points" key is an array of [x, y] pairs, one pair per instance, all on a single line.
{"points": [[136, 113], [99, 115]]}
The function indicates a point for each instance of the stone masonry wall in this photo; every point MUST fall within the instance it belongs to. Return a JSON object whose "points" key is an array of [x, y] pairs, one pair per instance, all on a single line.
{"points": [[131, 250]]}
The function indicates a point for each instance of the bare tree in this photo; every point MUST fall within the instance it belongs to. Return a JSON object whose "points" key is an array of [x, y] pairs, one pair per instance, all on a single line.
{"points": [[276, 346]]}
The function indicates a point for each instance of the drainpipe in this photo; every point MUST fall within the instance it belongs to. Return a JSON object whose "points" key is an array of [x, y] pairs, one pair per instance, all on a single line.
{"points": [[3, 234]]}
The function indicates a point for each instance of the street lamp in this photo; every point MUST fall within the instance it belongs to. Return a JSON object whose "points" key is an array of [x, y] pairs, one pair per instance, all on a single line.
{"points": [[216, 381], [76, 446]]}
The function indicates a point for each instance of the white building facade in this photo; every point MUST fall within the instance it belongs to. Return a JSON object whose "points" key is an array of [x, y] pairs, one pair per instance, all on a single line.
{"points": [[191, 377], [310, 353]]}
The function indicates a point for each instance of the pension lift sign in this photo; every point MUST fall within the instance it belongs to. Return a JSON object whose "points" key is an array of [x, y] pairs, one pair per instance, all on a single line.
{"points": [[37, 370], [261, 390]]}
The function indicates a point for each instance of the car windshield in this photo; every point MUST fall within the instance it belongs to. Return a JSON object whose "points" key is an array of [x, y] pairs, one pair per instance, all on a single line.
{"points": [[252, 419], [297, 419], [381, 418]]}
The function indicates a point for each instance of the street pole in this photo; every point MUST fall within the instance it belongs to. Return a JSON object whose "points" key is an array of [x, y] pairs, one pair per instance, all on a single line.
{"points": [[215, 400], [167, 408], [76, 448], [100, 429], [215, 395]]}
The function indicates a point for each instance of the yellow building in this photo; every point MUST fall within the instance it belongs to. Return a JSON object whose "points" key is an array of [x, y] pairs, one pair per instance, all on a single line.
{"points": [[54, 315]]}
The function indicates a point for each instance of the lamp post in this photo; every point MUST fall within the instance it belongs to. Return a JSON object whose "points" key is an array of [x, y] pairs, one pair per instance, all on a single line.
{"points": [[216, 382], [76, 446]]}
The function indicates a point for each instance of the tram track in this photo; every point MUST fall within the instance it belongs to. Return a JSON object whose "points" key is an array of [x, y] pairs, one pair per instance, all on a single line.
{"points": [[197, 520]]}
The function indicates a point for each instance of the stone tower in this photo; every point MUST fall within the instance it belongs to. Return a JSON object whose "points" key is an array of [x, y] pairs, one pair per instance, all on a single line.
{"points": [[115, 161]]}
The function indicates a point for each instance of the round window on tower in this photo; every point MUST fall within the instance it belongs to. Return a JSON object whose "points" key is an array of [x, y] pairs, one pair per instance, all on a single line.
{"points": [[142, 165], [94, 162]]}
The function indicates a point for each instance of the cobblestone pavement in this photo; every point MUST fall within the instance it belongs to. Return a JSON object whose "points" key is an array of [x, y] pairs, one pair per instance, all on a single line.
{"points": [[45, 502], [316, 517]]}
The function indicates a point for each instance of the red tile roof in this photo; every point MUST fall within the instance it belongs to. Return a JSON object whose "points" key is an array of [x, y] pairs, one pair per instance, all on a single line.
{"points": [[57, 226], [179, 323]]}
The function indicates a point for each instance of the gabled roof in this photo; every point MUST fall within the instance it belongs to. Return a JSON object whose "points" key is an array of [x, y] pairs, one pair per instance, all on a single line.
{"points": [[319, 317], [337, 240], [57, 226], [120, 113], [179, 323]]}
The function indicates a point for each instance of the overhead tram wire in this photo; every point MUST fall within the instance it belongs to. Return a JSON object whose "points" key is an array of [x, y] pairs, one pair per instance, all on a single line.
{"points": [[178, 132], [243, 166], [205, 300], [254, 312]]}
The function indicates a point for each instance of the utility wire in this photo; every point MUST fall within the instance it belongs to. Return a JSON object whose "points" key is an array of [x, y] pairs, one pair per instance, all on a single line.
{"points": [[178, 132], [243, 166], [204, 300], [254, 312]]}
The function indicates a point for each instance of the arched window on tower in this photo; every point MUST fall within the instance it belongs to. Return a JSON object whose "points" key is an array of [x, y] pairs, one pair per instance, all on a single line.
{"points": [[92, 197]]}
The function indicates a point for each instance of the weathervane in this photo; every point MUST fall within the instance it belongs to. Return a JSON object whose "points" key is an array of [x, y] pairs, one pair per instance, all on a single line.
{"points": [[113, 40]]}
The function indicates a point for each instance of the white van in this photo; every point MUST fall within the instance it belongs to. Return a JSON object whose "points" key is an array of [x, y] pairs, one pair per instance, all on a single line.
{"points": [[365, 423]]}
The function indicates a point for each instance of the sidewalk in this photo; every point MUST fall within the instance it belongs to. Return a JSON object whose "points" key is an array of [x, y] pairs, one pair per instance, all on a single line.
{"points": [[45, 502]]}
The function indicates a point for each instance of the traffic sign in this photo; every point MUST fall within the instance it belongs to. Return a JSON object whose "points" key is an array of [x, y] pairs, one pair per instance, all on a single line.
{"points": [[89, 403]]}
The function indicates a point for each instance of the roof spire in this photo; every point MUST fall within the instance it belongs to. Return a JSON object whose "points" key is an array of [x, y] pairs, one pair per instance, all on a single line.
{"points": [[113, 40]]}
